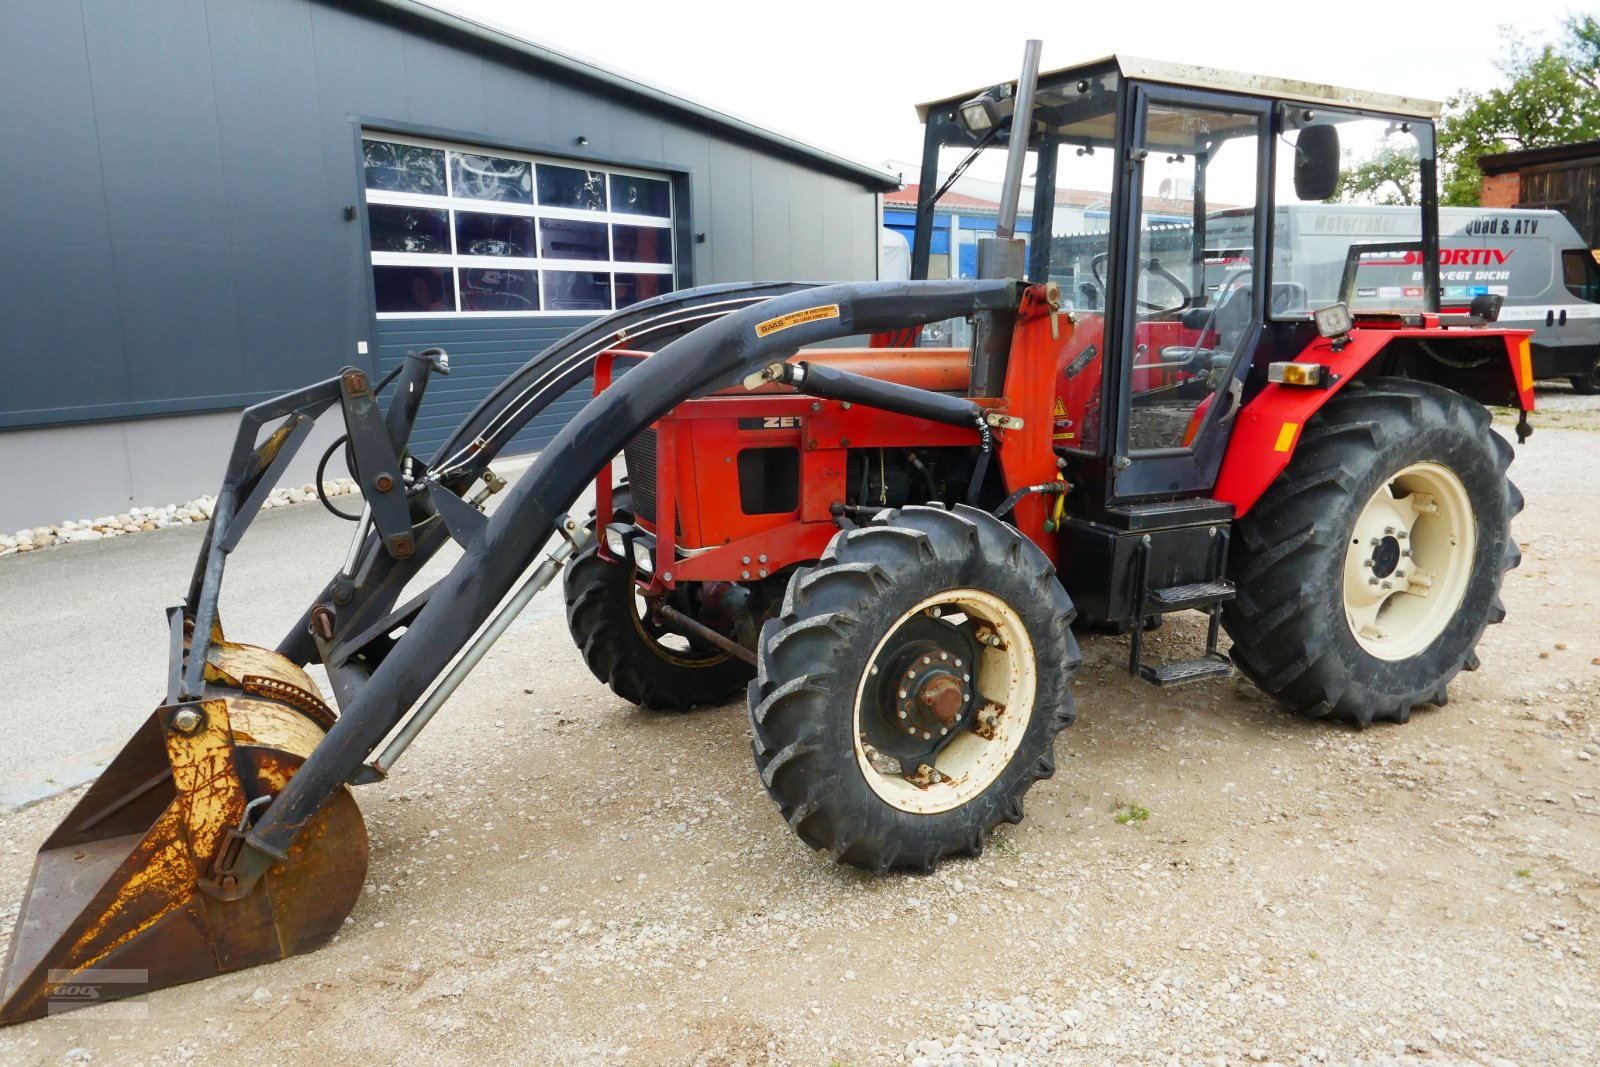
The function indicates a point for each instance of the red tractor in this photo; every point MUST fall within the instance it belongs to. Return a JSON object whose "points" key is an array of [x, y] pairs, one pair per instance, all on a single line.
{"points": [[1158, 406], [888, 546]]}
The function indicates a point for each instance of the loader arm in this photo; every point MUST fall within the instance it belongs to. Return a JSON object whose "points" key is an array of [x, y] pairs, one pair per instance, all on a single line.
{"points": [[712, 357]]}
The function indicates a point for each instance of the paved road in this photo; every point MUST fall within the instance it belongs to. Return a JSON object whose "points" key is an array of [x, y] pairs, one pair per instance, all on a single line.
{"points": [[85, 630]]}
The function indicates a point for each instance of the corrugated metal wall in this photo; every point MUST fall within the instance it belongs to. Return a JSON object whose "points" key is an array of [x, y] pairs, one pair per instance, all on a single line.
{"points": [[176, 177]]}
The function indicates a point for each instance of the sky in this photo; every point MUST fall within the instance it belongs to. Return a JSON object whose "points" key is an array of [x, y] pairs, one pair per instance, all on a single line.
{"points": [[845, 76]]}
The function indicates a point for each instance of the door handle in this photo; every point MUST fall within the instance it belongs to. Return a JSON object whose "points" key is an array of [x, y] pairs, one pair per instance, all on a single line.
{"points": [[1563, 316], [1550, 318]]}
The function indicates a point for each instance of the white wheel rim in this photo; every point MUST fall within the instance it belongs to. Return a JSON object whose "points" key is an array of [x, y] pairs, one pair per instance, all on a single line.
{"points": [[1409, 560], [970, 763]]}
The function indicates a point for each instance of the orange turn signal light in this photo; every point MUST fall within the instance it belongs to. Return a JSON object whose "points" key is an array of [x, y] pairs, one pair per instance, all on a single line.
{"points": [[1306, 374]]}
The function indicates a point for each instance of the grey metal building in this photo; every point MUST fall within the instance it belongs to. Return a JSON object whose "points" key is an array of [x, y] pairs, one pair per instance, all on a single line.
{"points": [[209, 202]]}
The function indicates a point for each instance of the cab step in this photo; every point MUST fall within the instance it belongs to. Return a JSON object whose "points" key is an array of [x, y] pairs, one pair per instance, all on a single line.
{"points": [[1206, 596], [1194, 595], [1214, 665]]}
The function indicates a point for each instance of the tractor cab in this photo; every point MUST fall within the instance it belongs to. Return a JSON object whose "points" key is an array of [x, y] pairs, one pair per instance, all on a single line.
{"points": [[1148, 190]]}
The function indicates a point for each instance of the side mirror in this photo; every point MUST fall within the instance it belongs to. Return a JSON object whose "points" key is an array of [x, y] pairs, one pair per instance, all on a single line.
{"points": [[1316, 162], [1487, 306]]}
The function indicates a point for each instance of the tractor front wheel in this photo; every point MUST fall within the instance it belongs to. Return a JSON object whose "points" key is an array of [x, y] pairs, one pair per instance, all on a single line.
{"points": [[633, 650], [1367, 572], [912, 688]]}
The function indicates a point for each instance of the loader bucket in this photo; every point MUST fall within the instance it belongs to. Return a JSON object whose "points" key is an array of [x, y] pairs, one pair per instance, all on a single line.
{"points": [[116, 905]]}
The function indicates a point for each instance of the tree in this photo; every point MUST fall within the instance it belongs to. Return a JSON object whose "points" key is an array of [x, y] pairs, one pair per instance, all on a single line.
{"points": [[1552, 97], [1389, 176]]}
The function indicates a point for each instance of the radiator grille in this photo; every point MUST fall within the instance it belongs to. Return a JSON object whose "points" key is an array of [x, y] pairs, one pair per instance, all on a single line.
{"points": [[640, 455]]}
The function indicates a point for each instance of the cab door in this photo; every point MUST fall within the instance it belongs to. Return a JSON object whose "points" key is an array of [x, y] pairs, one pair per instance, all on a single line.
{"points": [[1188, 327]]}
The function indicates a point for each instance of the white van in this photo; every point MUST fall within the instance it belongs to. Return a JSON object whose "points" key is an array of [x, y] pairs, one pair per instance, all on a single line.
{"points": [[1534, 259]]}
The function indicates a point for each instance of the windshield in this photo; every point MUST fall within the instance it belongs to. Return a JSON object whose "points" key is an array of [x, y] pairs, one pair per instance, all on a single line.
{"points": [[1363, 244], [1068, 179]]}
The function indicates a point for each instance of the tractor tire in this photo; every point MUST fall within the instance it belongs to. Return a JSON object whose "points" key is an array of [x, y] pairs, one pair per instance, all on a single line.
{"points": [[1390, 476], [623, 650], [1588, 383], [861, 689]]}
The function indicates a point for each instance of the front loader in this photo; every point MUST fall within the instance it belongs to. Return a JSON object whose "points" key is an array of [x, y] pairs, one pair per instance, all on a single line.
{"points": [[1158, 410]]}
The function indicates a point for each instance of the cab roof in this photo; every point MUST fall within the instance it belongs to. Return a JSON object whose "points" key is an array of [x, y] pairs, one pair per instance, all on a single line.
{"points": [[1195, 76]]}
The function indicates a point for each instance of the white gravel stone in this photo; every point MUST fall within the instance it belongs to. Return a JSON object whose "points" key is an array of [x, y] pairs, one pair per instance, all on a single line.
{"points": [[140, 519]]}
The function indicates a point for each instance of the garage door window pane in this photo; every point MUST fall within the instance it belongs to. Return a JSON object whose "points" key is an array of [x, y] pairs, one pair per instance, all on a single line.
{"points": [[567, 187], [476, 177], [479, 234], [632, 288], [404, 168], [641, 244], [577, 291], [640, 196], [414, 289], [458, 229], [565, 239], [499, 290], [408, 229]]}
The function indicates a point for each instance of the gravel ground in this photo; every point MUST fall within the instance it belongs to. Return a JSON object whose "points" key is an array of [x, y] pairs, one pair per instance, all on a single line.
{"points": [[557, 877]]}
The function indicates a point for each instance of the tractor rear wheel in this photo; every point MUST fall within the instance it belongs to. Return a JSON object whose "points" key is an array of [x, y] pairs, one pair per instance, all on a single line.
{"points": [[629, 649], [911, 690], [1367, 572]]}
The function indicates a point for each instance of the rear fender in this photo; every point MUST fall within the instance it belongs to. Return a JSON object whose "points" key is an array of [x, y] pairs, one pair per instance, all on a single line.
{"points": [[1489, 367]]}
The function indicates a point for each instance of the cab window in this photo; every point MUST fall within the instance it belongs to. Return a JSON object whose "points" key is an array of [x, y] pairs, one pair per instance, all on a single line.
{"points": [[1581, 274]]}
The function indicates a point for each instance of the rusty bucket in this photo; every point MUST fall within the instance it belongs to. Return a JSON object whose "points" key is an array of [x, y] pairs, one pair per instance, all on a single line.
{"points": [[118, 904]]}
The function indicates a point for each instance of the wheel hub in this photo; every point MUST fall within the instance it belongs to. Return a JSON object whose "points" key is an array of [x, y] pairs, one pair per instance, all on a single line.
{"points": [[1386, 556], [922, 689], [932, 693]]}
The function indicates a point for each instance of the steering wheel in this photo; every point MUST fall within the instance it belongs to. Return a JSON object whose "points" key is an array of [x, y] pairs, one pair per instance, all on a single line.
{"points": [[1148, 266], [1196, 360]]}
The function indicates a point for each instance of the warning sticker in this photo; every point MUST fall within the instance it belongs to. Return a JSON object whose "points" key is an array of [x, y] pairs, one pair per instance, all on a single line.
{"points": [[1060, 410], [797, 318]]}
